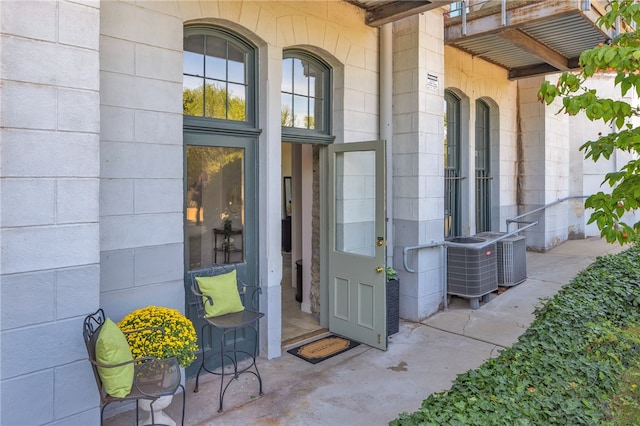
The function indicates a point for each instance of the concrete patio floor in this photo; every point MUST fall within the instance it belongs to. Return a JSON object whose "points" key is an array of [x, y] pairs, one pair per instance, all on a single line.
{"points": [[366, 386]]}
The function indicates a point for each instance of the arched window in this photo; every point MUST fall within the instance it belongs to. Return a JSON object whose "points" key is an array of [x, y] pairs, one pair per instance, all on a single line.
{"points": [[305, 95], [218, 72], [452, 176], [483, 168]]}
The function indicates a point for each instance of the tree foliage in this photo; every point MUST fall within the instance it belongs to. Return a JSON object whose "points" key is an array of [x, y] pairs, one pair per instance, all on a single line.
{"points": [[622, 57], [213, 101]]}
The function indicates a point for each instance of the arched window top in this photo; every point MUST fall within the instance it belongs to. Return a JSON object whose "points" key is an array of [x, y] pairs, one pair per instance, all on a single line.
{"points": [[305, 94], [218, 75]]}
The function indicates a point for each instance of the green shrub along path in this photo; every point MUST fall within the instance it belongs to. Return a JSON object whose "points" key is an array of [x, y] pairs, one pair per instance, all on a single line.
{"points": [[566, 368]]}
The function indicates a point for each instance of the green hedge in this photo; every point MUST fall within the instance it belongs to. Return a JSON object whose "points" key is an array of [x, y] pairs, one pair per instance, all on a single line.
{"points": [[564, 368]]}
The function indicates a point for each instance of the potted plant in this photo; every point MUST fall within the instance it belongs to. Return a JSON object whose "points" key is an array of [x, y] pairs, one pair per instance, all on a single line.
{"points": [[393, 301], [177, 339]]}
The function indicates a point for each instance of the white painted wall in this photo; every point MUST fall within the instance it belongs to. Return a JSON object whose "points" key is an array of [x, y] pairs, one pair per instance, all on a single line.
{"points": [[587, 176]]}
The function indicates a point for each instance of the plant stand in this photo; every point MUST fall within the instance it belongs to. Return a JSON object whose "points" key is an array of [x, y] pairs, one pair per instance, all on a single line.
{"points": [[393, 306]]}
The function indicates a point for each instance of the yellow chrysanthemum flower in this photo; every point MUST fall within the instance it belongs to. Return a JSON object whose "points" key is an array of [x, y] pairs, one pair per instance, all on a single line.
{"points": [[179, 339]]}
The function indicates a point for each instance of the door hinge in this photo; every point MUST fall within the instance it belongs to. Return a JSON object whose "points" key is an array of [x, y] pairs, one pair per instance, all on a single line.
{"points": [[379, 341]]}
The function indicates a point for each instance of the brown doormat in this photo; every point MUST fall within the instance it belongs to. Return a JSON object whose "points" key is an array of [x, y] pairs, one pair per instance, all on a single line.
{"points": [[322, 349]]}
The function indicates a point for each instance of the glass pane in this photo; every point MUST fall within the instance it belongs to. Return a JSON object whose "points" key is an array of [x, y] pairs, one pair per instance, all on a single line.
{"points": [[237, 99], [482, 136], [216, 60], [236, 64], [300, 111], [193, 47], [192, 63], [311, 119], [287, 75], [286, 111], [215, 205], [452, 137], [315, 81], [300, 80], [317, 106], [192, 96], [194, 43], [215, 100], [355, 194]]}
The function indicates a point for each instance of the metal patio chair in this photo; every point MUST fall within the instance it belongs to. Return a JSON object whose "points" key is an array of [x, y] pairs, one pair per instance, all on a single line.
{"points": [[152, 377], [229, 327]]}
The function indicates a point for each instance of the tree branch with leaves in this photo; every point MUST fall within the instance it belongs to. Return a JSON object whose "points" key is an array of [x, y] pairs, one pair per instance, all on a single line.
{"points": [[622, 57]]}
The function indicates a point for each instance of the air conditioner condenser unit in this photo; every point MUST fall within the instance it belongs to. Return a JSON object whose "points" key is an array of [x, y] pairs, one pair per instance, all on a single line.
{"points": [[512, 260]]}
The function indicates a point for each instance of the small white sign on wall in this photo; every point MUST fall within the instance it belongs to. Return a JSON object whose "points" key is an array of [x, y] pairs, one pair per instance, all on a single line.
{"points": [[432, 82]]}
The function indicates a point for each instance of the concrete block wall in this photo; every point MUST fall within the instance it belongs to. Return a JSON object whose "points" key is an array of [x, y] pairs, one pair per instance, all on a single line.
{"points": [[474, 79], [141, 151], [557, 166], [49, 170], [587, 175], [418, 150], [532, 122]]}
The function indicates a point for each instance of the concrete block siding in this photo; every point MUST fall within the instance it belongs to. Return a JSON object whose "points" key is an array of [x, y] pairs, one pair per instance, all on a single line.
{"points": [[49, 222]]}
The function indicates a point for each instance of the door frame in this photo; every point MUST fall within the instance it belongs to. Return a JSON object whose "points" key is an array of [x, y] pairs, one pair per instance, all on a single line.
{"points": [[248, 270]]}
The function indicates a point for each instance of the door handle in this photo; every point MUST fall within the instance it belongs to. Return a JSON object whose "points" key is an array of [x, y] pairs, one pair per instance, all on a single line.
{"points": [[379, 269], [380, 242]]}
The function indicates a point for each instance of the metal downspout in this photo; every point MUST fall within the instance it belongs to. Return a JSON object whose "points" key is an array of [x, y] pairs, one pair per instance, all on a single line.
{"points": [[386, 125]]}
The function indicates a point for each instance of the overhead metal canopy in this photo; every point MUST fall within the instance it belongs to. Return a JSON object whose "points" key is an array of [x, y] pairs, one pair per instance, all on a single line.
{"points": [[528, 37], [380, 12]]}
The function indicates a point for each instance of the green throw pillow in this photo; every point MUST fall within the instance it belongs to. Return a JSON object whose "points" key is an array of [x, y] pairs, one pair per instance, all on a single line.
{"points": [[112, 348], [223, 289]]}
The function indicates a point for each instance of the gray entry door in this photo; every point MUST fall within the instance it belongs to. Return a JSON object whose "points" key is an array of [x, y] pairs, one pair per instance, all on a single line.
{"points": [[357, 281]]}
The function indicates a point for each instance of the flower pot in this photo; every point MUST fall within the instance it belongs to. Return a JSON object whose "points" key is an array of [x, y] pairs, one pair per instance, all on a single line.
{"points": [[393, 306], [159, 416]]}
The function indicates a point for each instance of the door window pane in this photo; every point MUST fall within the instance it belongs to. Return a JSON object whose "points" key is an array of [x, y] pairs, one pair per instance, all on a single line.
{"points": [[215, 205], [355, 211]]}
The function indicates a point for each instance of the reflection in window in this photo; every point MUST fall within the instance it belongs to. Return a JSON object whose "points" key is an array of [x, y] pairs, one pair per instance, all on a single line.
{"points": [[303, 93], [215, 205], [215, 81]]}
